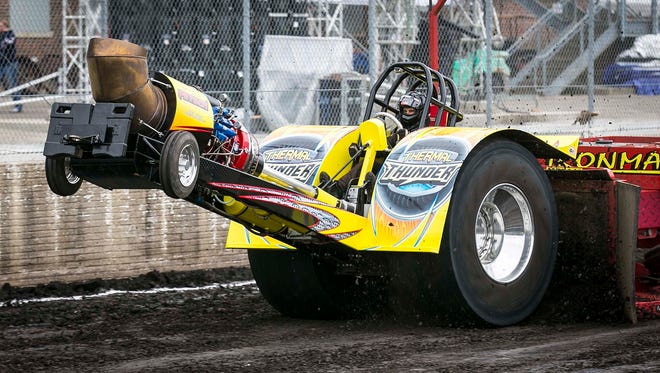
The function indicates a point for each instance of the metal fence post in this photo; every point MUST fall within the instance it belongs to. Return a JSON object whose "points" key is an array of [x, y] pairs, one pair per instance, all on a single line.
{"points": [[247, 75], [654, 15], [592, 57], [373, 66], [489, 61]]}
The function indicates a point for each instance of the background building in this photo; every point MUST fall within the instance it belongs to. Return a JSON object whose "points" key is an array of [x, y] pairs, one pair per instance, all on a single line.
{"points": [[538, 47]]}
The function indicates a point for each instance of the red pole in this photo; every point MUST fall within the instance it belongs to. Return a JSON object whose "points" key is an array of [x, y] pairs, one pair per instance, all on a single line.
{"points": [[433, 34]]}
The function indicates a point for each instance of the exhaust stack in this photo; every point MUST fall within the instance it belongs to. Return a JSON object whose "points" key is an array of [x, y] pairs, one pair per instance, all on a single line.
{"points": [[118, 73]]}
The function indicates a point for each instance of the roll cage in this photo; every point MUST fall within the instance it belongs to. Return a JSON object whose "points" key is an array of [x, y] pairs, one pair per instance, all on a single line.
{"points": [[442, 101]]}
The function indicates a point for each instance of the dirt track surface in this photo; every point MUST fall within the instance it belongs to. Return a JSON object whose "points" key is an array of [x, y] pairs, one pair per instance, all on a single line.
{"points": [[228, 329]]}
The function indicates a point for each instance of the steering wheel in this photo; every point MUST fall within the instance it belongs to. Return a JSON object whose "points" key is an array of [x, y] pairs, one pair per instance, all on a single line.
{"points": [[390, 116]]}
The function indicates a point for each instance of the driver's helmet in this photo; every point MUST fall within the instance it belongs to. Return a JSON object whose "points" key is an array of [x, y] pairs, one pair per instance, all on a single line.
{"points": [[411, 106]]}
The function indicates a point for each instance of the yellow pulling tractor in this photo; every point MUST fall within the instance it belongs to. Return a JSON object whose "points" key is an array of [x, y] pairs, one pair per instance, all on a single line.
{"points": [[475, 224]]}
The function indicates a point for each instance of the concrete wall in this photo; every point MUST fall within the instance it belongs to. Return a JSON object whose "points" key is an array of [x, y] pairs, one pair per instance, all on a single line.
{"points": [[99, 233]]}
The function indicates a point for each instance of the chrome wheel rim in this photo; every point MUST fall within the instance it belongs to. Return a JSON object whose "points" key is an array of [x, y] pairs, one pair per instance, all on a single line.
{"points": [[70, 176], [187, 166], [504, 233]]}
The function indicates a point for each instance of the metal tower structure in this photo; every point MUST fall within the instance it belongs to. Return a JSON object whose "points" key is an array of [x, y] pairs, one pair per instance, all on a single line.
{"points": [[81, 21], [396, 29], [325, 18], [396, 25], [469, 16]]}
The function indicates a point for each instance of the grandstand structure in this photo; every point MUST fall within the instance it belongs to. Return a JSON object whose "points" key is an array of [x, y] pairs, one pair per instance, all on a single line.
{"points": [[548, 58]]}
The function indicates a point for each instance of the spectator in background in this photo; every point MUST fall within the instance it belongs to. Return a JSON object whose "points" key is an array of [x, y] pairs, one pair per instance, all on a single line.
{"points": [[8, 63], [360, 61]]}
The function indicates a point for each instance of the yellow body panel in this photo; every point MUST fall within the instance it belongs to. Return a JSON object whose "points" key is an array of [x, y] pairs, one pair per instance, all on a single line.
{"points": [[335, 138], [417, 224], [193, 110], [567, 144]]}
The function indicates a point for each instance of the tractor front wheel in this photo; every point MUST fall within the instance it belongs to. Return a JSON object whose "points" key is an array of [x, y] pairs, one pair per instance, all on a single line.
{"points": [[179, 164], [60, 176]]}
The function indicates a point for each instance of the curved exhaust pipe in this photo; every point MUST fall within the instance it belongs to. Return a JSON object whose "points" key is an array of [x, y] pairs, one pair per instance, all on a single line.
{"points": [[118, 73]]}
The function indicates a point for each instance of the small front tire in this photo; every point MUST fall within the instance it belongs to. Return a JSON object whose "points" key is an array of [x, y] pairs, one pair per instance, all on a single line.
{"points": [[179, 164], [60, 176]]}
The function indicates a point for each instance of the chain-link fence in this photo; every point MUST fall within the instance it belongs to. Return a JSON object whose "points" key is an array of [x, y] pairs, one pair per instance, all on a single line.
{"points": [[566, 65]]}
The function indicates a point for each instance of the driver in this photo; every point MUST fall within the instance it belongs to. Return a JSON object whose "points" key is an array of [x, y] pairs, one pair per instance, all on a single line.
{"points": [[411, 106]]}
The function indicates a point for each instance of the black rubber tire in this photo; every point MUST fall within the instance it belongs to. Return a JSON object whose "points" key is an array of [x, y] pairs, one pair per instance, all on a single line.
{"points": [[169, 172], [463, 279], [300, 285], [60, 177]]}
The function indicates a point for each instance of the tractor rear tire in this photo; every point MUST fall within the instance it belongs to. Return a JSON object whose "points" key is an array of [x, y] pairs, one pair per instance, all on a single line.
{"points": [[60, 177], [501, 235], [301, 285], [179, 164]]}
